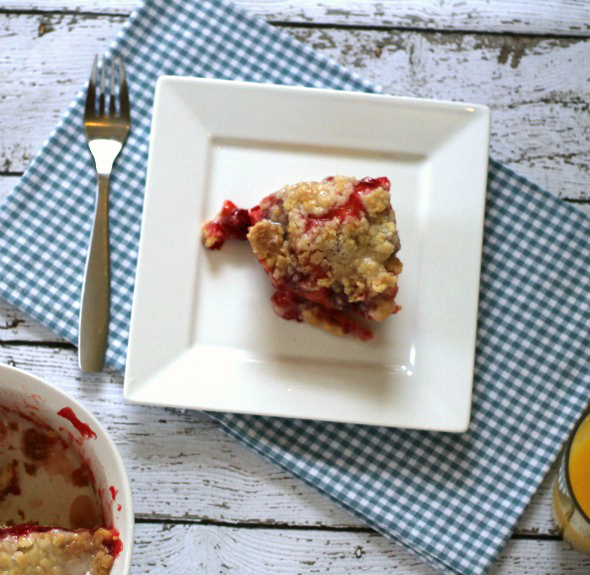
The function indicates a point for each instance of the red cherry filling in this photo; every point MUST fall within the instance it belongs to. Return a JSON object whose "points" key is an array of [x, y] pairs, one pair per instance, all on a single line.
{"points": [[353, 207], [287, 305], [114, 545], [291, 306], [23, 529], [345, 324], [367, 184], [262, 210], [232, 223]]}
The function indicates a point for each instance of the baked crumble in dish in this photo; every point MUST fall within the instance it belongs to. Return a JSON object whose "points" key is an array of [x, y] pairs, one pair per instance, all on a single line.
{"points": [[28, 549], [51, 521], [329, 249]]}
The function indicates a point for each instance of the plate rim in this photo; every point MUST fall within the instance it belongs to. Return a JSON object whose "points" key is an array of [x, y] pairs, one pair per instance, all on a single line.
{"points": [[166, 82]]}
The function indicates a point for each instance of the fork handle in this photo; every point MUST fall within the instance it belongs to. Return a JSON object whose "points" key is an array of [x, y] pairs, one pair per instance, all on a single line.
{"points": [[94, 307]]}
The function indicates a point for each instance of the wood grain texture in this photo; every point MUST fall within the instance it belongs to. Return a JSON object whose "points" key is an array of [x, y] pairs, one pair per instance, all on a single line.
{"points": [[571, 17], [201, 474], [208, 504], [537, 88], [216, 550]]}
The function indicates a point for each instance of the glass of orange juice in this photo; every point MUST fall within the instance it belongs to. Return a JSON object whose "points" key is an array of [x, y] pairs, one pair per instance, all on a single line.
{"points": [[571, 492]]}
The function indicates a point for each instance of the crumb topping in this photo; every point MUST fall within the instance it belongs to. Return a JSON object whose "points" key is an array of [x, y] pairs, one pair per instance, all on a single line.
{"points": [[57, 552], [332, 243]]}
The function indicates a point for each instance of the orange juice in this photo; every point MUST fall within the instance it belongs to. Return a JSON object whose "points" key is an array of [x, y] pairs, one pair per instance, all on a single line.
{"points": [[579, 466], [571, 490]]}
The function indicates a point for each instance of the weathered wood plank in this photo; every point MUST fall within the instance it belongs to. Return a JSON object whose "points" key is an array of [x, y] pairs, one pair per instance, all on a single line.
{"points": [[18, 326], [570, 17], [201, 473], [537, 88], [6, 185], [214, 550], [43, 86]]}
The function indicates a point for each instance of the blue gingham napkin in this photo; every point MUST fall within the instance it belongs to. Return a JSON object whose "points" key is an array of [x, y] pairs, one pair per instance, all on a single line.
{"points": [[451, 499]]}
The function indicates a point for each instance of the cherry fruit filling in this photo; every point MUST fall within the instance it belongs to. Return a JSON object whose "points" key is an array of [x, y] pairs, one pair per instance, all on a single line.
{"points": [[329, 248]]}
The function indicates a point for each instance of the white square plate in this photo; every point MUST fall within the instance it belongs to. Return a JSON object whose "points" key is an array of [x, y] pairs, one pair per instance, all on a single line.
{"points": [[203, 333]]}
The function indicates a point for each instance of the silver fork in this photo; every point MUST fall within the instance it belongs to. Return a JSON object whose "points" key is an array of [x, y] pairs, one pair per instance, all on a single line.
{"points": [[106, 132]]}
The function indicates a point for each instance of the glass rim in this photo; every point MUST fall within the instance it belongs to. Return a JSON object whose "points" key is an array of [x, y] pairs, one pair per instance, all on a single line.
{"points": [[568, 448]]}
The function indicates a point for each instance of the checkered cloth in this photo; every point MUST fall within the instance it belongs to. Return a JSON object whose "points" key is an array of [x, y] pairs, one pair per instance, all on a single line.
{"points": [[451, 499]]}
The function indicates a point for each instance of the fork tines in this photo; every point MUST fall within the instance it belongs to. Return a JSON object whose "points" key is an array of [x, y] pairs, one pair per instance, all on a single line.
{"points": [[90, 110]]}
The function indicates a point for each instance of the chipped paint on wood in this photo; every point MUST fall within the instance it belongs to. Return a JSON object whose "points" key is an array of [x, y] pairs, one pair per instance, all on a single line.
{"points": [[218, 549], [534, 95], [513, 50], [568, 17]]}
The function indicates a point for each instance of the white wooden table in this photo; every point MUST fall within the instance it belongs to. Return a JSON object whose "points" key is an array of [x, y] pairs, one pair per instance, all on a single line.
{"points": [[211, 505]]}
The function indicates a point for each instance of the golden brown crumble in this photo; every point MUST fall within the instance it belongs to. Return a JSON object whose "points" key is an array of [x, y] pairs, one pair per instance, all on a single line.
{"points": [[57, 552]]}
